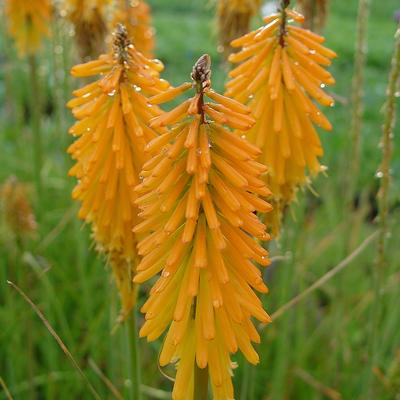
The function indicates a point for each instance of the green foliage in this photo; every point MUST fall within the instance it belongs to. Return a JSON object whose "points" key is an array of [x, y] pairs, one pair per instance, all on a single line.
{"points": [[321, 344]]}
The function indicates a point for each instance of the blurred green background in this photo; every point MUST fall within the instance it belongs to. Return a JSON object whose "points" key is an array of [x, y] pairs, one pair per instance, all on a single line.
{"points": [[319, 349]]}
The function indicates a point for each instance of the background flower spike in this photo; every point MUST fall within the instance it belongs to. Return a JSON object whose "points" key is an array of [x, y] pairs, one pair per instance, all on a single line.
{"points": [[281, 77], [28, 23], [234, 17], [136, 16], [90, 25], [198, 199]]}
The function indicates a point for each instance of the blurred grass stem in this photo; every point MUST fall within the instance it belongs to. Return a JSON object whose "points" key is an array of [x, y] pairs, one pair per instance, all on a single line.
{"points": [[358, 94], [35, 111], [321, 281], [5, 389], [56, 338], [133, 361], [384, 176]]}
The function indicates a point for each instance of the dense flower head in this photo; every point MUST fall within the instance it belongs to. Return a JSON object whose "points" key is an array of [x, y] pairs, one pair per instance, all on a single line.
{"points": [[315, 13], [198, 199], [16, 209], [136, 16], [28, 23], [111, 132], [281, 77], [89, 20], [234, 20]]}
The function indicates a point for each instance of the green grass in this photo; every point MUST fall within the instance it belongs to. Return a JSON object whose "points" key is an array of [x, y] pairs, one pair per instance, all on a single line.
{"points": [[324, 341]]}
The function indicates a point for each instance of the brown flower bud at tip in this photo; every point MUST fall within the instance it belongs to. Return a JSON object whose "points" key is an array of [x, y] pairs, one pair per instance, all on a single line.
{"points": [[201, 72]]}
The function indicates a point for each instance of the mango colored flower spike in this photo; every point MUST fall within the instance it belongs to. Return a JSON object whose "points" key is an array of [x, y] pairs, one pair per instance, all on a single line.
{"points": [[28, 23], [112, 130], [198, 199], [89, 20], [234, 20], [281, 77], [16, 209], [315, 13], [136, 16]]}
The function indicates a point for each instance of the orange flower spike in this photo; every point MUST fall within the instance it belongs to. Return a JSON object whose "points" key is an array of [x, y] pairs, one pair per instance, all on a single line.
{"points": [[112, 134], [28, 23], [136, 16], [234, 20], [281, 76], [90, 24], [205, 193]]}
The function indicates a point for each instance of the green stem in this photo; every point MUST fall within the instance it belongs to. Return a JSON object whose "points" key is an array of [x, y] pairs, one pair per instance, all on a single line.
{"points": [[383, 205], [133, 361], [358, 94], [247, 389], [35, 110], [200, 383]]}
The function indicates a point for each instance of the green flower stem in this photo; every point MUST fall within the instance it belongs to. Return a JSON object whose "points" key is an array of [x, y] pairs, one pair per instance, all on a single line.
{"points": [[35, 111], [133, 361]]}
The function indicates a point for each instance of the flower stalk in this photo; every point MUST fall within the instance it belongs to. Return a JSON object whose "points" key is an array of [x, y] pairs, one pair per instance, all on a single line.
{"points": [[134, 359], [384, 175], [387, 150], [35, 112], [358, 94]]}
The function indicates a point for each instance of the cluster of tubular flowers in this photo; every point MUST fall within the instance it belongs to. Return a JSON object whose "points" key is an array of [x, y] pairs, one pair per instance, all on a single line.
{"points": [[28, 23], [234, 20], [136, 16], [16, 208], [281, 77], [198, 199], [112, 130], [89, 20], [315, 13]]}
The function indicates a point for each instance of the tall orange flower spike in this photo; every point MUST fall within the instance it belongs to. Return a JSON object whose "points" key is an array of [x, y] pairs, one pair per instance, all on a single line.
{"points": [[28, 23], [89, 20], [234, 20], [281, 77], [112, 130], [136, 16], [197, 199]]}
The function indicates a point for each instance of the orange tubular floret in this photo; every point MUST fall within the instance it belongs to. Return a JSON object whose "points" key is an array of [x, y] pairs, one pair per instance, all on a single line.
{"points": [[206, 211]]}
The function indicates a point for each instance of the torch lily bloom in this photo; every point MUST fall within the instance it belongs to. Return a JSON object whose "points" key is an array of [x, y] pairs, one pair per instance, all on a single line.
{"points": [[198, 199], [111, 133], [281, 77], [136, 16], [28, 23]]}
